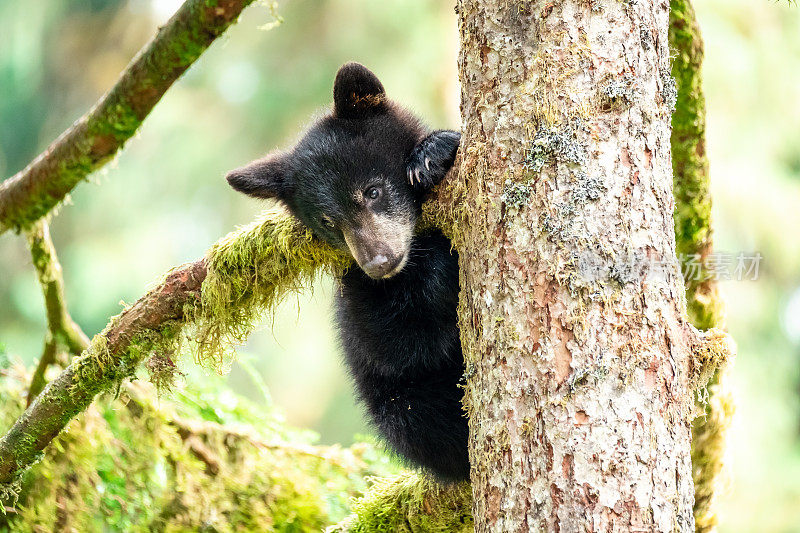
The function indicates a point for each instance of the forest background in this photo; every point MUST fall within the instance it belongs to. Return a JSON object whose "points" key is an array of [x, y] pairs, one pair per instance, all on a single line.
{"points": [[164, 200]]}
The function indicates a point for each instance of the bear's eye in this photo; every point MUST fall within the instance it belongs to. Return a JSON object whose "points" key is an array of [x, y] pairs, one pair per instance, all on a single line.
{"points": [[373, 193], [328, 222]]}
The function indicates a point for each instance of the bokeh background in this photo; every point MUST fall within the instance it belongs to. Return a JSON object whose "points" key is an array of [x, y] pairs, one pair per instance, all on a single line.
{"points": [[163, 201]]}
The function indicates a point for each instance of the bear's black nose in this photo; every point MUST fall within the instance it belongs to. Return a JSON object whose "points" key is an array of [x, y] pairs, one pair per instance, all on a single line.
{"points": [[381, 266]]}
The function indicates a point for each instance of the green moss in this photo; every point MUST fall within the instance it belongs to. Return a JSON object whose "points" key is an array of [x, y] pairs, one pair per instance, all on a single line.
{"points": [[250, 271], [162, 370], [118, 120], [97, 369], [689, 161], [410, 504], [71, 170], [714, 351], [709, 435], [129, 466], [184, 49]]}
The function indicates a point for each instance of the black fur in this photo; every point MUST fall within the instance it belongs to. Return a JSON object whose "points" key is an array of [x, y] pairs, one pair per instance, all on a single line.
{"points": [[402, 347], [399, 332], [432, 158]]}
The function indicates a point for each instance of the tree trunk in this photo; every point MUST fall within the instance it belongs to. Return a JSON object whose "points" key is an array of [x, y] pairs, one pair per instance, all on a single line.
{"points": [[572, 311]]}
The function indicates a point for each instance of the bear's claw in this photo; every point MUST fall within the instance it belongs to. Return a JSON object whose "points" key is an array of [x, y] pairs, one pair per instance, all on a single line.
{"points": [[432, 158]]}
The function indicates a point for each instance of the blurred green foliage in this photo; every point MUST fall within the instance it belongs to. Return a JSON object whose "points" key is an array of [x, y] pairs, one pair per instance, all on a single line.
{"points": [[210, 461], [164, 201]]}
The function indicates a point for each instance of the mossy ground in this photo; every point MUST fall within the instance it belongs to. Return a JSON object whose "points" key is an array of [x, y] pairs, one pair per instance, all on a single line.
{"points": [[125, 465]]}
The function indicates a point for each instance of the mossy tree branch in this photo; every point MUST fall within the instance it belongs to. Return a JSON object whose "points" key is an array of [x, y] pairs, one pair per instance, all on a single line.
{"points": [[61, 329], [690, 164], [97, 136], [693, 236], [150, 326], [410, 503], [105, 363], [221, 296]]}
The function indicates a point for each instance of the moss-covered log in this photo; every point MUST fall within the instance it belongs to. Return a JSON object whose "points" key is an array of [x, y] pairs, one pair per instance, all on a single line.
{"points": [[693, 236], [98, 135], [221, 296]]}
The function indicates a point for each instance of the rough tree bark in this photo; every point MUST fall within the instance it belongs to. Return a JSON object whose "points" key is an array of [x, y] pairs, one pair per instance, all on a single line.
{"points": [[573, 315]]}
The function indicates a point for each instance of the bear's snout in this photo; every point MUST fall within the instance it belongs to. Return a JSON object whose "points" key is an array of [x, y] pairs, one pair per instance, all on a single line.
{"points": [[381, 266], [379, 244]]}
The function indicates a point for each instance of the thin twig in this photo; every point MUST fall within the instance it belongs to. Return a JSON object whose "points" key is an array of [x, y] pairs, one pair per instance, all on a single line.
{"points": [[61, 329]]}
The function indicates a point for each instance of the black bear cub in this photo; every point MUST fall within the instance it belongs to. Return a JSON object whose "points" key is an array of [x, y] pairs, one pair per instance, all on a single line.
{"points": [[357, 179]]}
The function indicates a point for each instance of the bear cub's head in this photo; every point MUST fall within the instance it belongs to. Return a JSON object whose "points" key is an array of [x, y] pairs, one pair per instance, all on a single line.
{"points": [[354, 178]]}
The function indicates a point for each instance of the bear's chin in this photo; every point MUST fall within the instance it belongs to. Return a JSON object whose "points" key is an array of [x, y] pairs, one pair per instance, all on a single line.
{"points": [[396, 270], [399, 268]]}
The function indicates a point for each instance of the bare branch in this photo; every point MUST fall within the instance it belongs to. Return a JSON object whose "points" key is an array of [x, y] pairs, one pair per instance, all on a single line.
{"points": [[98, 135], [61, 329]]}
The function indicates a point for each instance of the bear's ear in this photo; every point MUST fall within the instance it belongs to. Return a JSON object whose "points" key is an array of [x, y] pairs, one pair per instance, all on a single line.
{"points": [[263, 178], [357, 92]]}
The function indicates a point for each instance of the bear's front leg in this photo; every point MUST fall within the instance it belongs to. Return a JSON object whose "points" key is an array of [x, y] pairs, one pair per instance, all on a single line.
{"points": [[432, 159]]}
